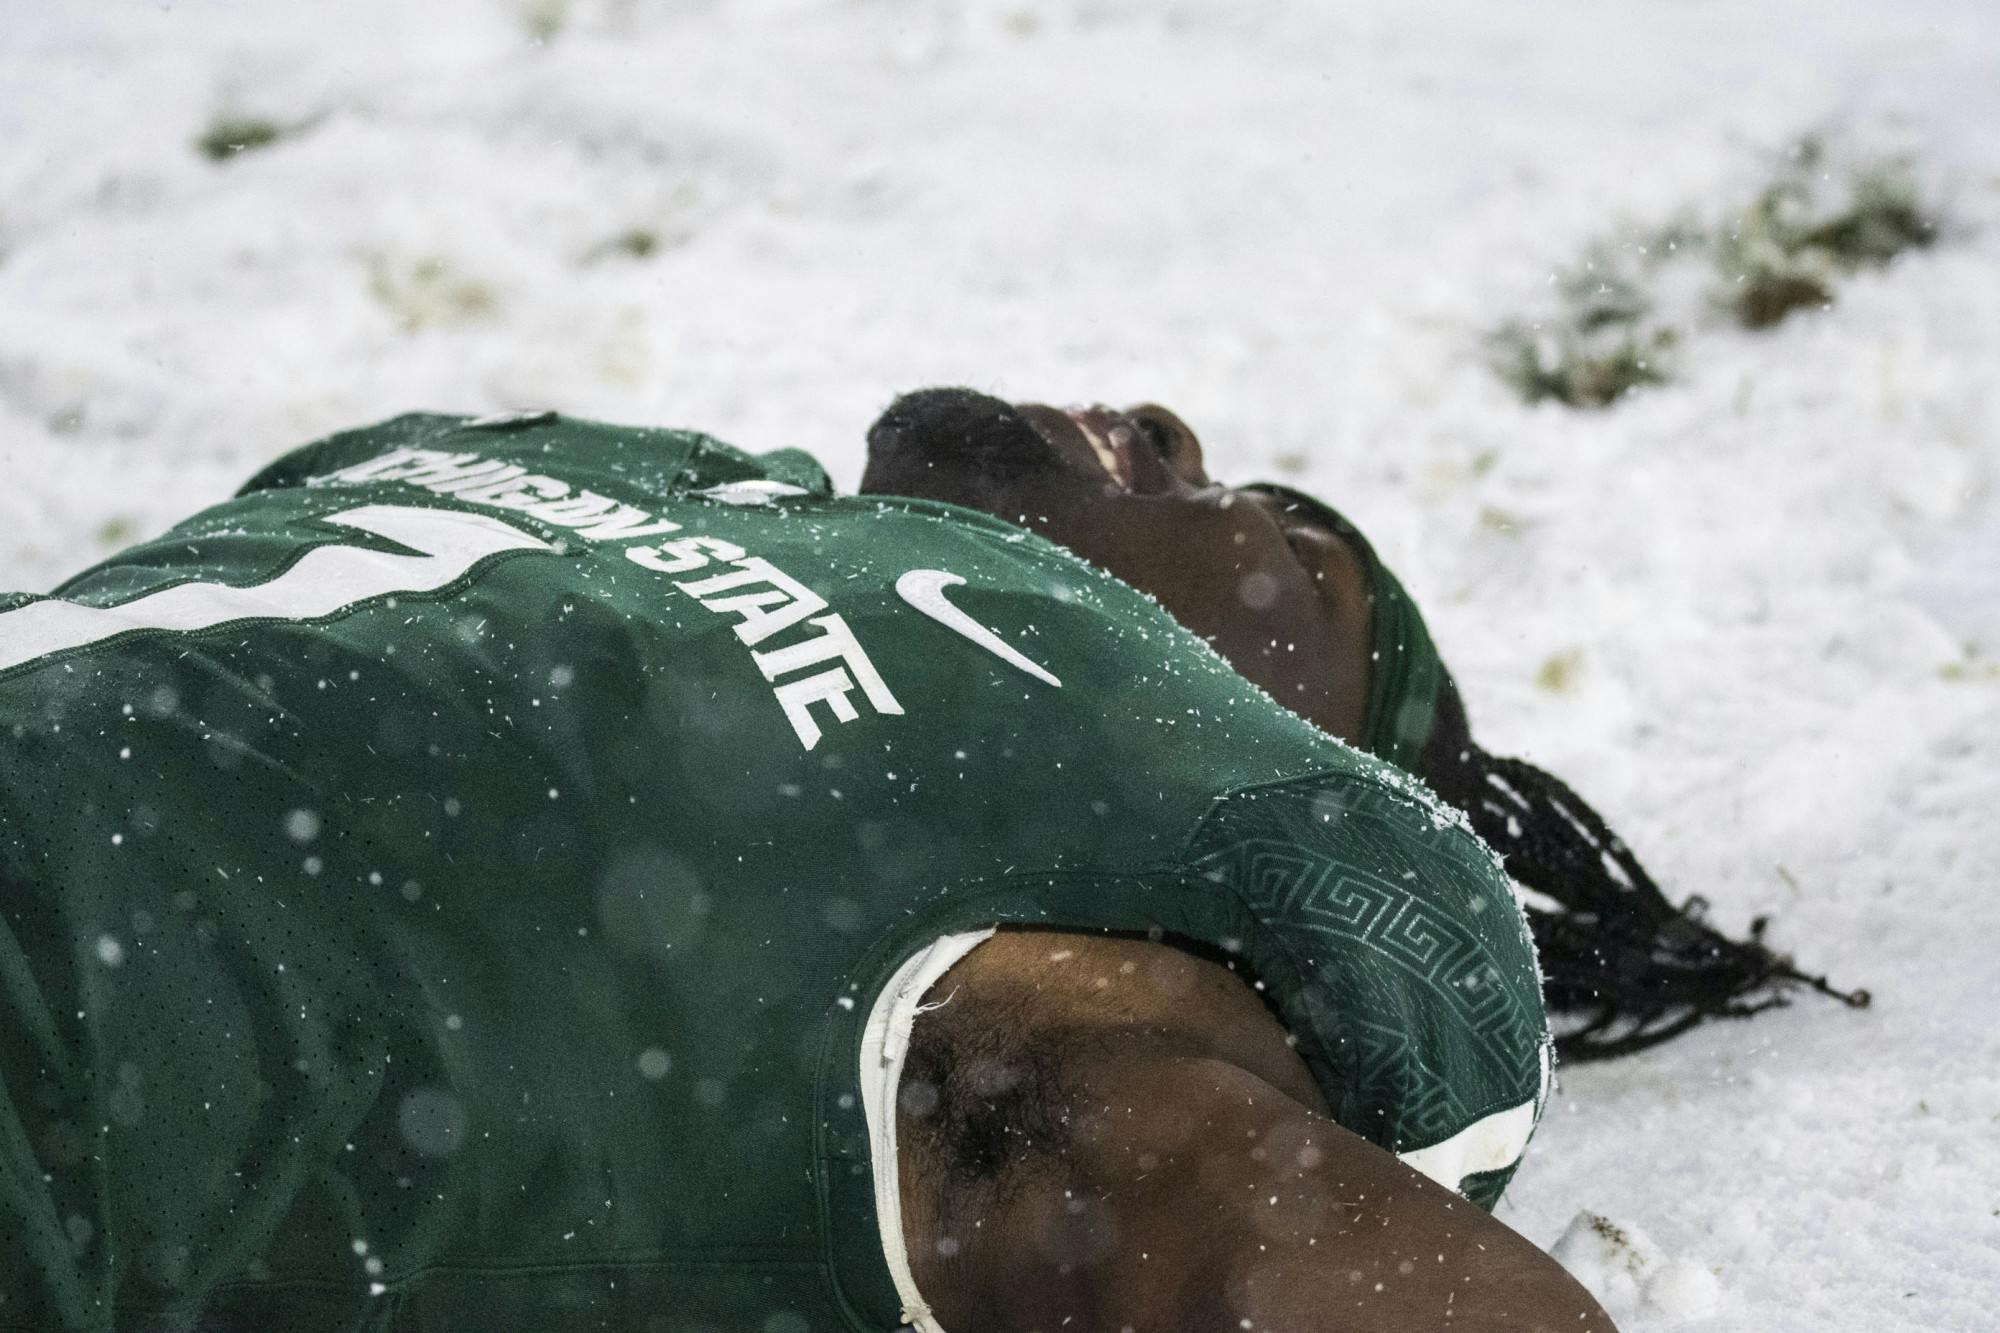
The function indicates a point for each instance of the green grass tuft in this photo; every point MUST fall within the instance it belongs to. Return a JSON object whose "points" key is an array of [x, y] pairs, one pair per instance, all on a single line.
{"points": [[632, 243], [1575, 373], [1821, 217], [1812, 226], [1601, 343], [115, 532], [544, 20], [227, 136], [429, 292]]}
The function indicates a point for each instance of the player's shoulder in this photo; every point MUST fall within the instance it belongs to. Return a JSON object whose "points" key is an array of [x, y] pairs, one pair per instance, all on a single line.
{"points": [[653, 461], [1351, 808]]}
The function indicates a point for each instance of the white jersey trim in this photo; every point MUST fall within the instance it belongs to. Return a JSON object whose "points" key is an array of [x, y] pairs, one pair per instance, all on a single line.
{"points": [[885, 1044], [1487, 1144]]}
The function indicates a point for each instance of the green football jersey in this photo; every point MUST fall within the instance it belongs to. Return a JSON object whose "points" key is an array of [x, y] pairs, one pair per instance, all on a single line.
{"points": [[446, 885]]}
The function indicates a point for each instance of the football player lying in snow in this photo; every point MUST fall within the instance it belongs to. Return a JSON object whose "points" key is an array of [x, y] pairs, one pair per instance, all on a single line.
{"points": [[532, 874]]}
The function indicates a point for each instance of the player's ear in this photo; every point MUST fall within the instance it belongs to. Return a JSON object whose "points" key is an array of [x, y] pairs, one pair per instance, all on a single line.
{"points": [[953, 444]]}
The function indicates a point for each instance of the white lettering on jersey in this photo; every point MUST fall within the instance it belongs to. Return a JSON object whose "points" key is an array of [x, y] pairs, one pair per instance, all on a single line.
{"points": [[924, 589], [769, 587], [325, 580], [679, 557], [488, 481], [766, 600], [829, 687]]}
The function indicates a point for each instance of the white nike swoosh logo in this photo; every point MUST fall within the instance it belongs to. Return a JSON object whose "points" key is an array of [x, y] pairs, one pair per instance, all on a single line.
{"points": [[924, 589]]}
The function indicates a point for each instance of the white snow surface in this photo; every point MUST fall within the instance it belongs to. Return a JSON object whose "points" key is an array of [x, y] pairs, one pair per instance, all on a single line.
{"points": [[1775, 579], [1626, 1271]]}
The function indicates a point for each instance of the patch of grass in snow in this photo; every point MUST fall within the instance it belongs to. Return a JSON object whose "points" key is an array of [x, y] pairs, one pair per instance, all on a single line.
{"points": [[1971, 668], [428, 292], [1578, 370], [1618, 314], [115, 533], [1601, 342], [632, 243], [1816, 222], [1021, 22], [1558, 675], [544, 19], [229, 135]]}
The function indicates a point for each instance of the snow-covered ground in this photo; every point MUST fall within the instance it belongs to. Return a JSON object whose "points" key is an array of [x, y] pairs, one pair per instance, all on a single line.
{"points": [[1774, 587]]}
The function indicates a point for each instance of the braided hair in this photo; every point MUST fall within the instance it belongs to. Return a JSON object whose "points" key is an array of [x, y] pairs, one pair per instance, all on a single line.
{"points": [[1626, 967]]}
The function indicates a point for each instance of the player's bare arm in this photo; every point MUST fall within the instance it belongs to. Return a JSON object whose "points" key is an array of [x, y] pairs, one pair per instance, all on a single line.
{"points": [[1111, 1133]]}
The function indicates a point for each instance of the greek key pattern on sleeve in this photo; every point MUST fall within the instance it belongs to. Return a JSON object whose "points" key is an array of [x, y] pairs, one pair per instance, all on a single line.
{"points": [[1417, 957]]}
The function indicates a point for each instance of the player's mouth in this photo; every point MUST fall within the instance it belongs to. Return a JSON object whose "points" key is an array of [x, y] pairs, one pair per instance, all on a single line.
{"points": [[1112, 437]]}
